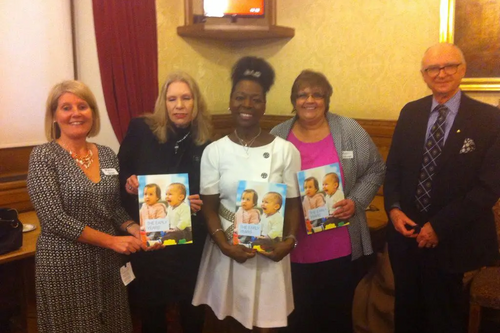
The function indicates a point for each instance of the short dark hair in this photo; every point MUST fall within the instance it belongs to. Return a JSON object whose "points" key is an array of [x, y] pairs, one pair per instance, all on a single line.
{"points": [[157, 188], [255, 195], [254, 69], [310, 78], [316, 184]]}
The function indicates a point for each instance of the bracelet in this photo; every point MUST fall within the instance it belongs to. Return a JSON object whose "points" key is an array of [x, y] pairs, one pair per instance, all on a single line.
{"points": [[294, 240], [129, 225], [216, 231]]}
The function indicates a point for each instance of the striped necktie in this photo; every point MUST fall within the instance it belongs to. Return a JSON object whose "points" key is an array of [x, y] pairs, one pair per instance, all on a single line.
{"points": [[432, 150]]}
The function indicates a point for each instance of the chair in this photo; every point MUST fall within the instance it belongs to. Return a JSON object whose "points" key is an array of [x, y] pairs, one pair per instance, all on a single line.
{"points": [[485, 287]]}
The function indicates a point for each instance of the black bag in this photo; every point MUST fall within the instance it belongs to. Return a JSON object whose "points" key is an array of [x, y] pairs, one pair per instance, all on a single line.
{"points": [[11, 230]]}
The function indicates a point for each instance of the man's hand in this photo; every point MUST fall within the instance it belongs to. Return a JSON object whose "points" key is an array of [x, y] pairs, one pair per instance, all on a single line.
{"points": [[427, 237], [399, 220]]}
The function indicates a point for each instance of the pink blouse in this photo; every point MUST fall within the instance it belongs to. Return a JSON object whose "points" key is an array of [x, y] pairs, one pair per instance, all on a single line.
{"points": [[329, 244]]}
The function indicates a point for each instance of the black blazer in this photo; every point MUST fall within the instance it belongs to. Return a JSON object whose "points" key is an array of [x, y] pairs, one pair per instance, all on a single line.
{"points": [[170, 273], [465, 185]]}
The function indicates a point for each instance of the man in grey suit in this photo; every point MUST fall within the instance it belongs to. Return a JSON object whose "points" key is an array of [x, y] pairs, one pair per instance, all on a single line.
{"points": [[442, 180]]}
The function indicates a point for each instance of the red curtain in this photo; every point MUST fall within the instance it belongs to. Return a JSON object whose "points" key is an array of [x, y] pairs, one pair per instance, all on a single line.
{"points": [[128, 58]]}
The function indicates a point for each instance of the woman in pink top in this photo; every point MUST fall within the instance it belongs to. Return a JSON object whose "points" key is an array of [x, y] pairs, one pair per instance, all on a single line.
{"points": [[322, 263]]}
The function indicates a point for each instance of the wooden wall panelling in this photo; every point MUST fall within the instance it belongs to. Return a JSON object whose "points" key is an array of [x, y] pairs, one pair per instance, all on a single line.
{"points": [[13, 173], [223, 123], [380, 130], [16, 198], [14, 161]]}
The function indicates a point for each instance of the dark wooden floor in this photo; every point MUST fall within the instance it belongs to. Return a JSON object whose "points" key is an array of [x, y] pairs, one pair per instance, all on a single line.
{"points": [[490, 324], [11, 286]]}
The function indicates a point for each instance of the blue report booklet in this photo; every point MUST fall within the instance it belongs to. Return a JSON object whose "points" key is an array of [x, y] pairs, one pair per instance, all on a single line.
{"points": [[260, 214], [320, 189], [164, 210]]}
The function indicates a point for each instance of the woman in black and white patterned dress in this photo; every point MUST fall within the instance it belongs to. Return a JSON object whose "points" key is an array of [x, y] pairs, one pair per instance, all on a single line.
{"points": [[73, 185]]}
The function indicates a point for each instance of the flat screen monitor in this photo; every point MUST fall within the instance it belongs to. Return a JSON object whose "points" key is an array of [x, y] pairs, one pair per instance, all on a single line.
{"points": [[235, 8]]}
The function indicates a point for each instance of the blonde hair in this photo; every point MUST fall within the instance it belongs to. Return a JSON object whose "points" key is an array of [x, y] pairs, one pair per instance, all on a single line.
{"points": [[79, 89], [159, 122]]}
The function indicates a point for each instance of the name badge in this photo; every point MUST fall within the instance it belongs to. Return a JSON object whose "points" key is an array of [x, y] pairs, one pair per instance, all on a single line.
{"points": [[347, 154], [109, 171], [127, 274]]}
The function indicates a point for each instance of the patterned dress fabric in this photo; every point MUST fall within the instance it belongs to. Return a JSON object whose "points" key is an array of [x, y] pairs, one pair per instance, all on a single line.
{"points": [[432, 151], [78, 286]]}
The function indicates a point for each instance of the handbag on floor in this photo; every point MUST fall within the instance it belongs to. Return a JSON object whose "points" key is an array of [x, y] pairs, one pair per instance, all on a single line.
{"points": [[11, 230]]}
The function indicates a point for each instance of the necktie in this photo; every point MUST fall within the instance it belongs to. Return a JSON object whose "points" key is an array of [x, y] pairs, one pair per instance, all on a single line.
{"points": [[432, 150]]}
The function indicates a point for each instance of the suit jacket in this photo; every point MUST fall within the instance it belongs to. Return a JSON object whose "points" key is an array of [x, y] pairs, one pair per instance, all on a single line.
{"points": [[465, 185]]}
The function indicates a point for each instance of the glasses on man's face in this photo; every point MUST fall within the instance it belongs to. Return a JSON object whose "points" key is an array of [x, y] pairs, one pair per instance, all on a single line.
{"points": [[434, 71], [316, 96]]}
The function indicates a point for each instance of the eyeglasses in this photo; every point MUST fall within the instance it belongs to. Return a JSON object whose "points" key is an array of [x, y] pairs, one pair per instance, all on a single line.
{"points": [[316, 96], [434, 71]]}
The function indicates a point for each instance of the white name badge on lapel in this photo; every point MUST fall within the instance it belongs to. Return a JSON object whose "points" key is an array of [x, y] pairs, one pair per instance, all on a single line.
{"points": [[110, 171], [127, 274], [347, 154]]}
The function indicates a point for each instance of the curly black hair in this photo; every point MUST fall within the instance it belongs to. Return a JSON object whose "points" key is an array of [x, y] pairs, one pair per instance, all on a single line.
{"points": [[255, 69]]}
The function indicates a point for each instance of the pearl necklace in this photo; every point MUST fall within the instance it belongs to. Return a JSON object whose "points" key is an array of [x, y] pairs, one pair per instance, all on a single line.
{"points": [[247, 144]]}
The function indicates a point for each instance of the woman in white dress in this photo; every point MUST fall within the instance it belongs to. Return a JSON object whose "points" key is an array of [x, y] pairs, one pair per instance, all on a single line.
{"points": [[254, 288]]}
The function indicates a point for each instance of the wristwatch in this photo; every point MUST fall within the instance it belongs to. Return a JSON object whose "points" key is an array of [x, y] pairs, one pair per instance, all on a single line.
{"points": [[294, 240]]}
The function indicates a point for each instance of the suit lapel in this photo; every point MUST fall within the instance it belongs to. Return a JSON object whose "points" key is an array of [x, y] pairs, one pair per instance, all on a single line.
{"points": [[419, 127], [456, 137]]}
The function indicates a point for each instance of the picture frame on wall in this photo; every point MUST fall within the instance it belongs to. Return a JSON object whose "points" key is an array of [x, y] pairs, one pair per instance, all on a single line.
{"points": [[474, 26]]}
